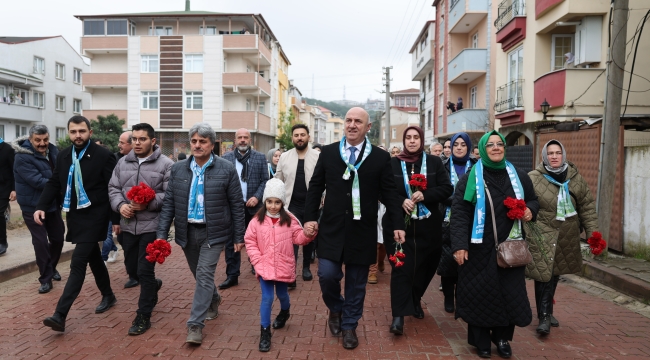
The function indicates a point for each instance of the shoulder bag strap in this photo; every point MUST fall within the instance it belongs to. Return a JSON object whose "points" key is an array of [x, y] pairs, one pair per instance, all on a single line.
{"points": [[494, 223]]}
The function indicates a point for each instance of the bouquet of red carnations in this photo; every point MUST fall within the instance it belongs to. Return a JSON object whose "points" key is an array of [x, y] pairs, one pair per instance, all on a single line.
{"points": [[418, 182], [596, 243], [398, 257], [516, 211], [141, 194], [158, 251]]}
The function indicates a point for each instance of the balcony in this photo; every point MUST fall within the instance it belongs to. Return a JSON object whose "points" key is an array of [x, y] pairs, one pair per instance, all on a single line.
{"points": [[91, 45], [467, 66], [92, 114], [20, 112], [232, 120], [467, 120], [563, 87], [247, 44], [105, 80], [511, 23], [549, 12], [424, 63], [509, 104], [245, 82], [464, 15]]}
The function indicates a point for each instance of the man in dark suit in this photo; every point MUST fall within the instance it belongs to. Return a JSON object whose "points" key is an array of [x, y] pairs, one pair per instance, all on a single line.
{"points": [[356, 175], [7, 188], [253, 174], [81, 178]]}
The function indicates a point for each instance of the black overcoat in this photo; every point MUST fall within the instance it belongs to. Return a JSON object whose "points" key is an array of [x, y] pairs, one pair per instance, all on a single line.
{"points": [[89, 224], [340, 237], [487, 295]]}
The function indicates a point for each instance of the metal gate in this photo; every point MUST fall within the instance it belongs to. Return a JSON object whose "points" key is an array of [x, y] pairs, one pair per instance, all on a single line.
{"points": [[521, 157]]}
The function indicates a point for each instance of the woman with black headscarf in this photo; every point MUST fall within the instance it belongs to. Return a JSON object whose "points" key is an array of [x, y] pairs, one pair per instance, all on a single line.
{"points": [[422, 247], [457, 166], [565, 205], [272, 158]]}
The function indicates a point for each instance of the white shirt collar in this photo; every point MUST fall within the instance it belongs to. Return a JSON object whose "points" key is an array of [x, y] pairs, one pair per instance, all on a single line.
{"points": [[348, 146]]}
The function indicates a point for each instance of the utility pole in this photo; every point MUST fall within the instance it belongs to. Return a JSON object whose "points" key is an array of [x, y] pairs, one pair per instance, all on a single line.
{"points": [[611, 126], [387, 106]]}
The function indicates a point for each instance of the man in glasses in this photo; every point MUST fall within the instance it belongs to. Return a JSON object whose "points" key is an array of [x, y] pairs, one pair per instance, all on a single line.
{"points": [[139, 222]]}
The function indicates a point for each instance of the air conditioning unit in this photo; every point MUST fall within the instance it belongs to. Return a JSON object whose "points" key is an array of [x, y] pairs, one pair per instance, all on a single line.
{"points": [[588, 38]]}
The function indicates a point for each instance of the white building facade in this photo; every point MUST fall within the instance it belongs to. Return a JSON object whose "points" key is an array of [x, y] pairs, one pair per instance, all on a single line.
{"points": [[422, 68]]}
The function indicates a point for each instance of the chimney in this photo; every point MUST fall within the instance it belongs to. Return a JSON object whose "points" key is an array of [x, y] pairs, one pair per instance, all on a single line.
{"points": [[187, 5]]}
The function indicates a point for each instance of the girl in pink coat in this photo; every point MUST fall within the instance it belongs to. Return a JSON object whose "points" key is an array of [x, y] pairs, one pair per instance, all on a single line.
{"points": [[269, 243]]}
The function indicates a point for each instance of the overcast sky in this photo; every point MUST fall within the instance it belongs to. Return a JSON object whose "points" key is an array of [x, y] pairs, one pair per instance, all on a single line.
{"points": [[339, 42]]}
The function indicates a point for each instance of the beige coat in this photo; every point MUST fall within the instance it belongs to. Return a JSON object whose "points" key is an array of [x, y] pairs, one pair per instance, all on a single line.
{"points": [[286, 169]]}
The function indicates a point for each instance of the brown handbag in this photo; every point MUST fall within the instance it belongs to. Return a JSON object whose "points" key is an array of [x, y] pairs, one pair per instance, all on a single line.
{"points": [[510, 253]]}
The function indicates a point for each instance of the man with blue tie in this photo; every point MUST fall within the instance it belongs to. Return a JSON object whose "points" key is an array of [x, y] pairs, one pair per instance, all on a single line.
{"points": [[356, 175]]}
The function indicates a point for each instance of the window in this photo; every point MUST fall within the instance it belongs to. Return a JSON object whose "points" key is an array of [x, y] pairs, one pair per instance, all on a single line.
{"points": [[194, 100], [149, 64], [162, 30], [561, 44], [39, 65], [76, 106], [262, 73], [430, 80], [59, 71], [60, 103], [150, 100], [261, 107], [22, 96], [117, 27], [408, 101], [473, 94], [209, 30], [39, 99], [442, 58], [248, 104], [132, 26], [424, 85], [193, 63], [429, 119], [94, 27], [475, 41], [77, 76], [515, 72], [21, 131], [61, 133], [393, 134]]}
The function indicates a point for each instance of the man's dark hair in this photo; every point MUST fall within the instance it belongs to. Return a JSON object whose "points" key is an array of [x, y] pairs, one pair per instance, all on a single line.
{"points": [[78, 119], [300, 126], [146, 127]]}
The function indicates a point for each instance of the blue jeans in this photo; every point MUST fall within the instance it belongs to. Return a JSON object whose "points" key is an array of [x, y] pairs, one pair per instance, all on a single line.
{"points": [[267, 299], [108, 244]]}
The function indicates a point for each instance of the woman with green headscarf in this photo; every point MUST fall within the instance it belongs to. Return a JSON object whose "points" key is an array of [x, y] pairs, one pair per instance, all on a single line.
{"points": [[492, 300]]}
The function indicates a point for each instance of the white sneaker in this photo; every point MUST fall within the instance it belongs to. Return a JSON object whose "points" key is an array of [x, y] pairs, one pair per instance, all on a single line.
{"points": [[112, 256]]}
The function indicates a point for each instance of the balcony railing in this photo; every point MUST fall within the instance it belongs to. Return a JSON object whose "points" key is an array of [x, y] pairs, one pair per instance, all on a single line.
{"points": [[510, 96], [508, 9]]}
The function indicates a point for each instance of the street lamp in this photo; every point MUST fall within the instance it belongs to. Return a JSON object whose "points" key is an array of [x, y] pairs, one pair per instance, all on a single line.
{"points": [[545, 106]]}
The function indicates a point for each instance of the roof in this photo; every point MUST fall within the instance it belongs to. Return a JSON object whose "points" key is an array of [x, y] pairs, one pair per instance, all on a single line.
{"points": [[417, 40], [407, 91], [405, 108], [323, 109], [16, 73], [157, 13], [22, 39]]}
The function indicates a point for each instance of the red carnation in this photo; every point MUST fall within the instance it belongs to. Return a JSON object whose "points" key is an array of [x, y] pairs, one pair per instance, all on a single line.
{"points": [[158, 251], [596, 243], [419, 182], [141, 194], [516, 208], [399, 264]]}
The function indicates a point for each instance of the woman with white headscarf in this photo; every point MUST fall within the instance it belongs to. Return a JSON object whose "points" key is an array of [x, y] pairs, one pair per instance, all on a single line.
{"points": [[569, 62], [566, 207]]}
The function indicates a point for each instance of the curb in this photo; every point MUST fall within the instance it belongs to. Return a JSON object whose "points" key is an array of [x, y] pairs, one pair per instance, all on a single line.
{"points": [[616, 279], [26, 268]]}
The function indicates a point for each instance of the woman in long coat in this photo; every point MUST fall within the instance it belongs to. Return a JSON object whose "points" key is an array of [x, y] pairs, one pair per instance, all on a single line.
{"points": [[422, 247], [565, 206], [457, 166], [492, 300]]}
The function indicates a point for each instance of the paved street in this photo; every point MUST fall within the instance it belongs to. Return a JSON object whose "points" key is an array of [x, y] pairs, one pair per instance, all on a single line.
{"points": [[591, 327]]}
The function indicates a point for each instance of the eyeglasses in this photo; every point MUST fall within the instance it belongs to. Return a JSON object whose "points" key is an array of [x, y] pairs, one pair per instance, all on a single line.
{"points": [[493, 145], [140, 140]]}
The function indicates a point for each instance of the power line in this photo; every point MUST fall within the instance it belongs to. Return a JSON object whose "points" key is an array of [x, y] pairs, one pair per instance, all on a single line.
{"points": [[404, 52], [406, 31], [397, 34]]}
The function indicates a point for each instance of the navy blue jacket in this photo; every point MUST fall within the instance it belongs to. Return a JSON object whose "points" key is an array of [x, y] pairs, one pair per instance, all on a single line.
{"points": [[31, 172]]}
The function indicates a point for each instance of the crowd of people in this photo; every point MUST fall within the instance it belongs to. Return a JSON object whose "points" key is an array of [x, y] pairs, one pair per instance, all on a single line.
{"points": [[350, 205]]}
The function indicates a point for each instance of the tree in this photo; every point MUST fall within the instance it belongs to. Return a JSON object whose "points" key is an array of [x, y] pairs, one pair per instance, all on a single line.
{"points": [[373, 134], [106, 128], [284, 131]]}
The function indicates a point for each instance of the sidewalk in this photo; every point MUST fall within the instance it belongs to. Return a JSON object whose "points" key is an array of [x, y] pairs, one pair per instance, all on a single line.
{"points": [[590, 327], [628, 275]]}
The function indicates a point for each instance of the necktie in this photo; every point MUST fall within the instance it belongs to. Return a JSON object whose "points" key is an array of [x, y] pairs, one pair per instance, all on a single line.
{"points": [[353, 157]]}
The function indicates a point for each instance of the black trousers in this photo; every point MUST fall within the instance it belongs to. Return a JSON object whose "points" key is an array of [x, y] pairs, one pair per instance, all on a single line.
{"points": [[233, 259], [137, 247], [47, 240], [481, 337], [544, 293], [449, 286], [4, 202], [84, 254], [306, 249], [131, 251]]}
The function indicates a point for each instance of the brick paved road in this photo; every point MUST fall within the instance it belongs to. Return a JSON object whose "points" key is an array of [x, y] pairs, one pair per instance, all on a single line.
{"points": [[590, 327]]}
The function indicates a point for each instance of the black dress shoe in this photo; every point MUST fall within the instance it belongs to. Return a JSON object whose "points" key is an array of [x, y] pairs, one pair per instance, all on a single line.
{"points": [[397, 327], [131, 283], [3, 247], [334, 323], [544, 327], [306, 274], [350, 340], [56, 322], [503, 348], [449, 304], [484, 353], [292, 285], [418, 313], [106, 303], [45, 288], [230, 282], [56, 276]]}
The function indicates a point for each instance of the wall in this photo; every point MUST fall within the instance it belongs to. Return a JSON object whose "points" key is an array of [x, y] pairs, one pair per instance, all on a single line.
{"points": [[109, 63], [107, 99], [636, 213]]}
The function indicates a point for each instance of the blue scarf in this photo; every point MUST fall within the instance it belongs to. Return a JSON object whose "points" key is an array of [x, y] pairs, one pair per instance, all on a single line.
{"points": [[1, 141], [454, 181], [75, 170], [196, 210]]}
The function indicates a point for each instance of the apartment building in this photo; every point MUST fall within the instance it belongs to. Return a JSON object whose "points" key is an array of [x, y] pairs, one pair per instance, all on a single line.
{"points": [[465, 66], [40, 83], [422, 69], [334, 129], [375, 105], [534, 38], [175, 69]]}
